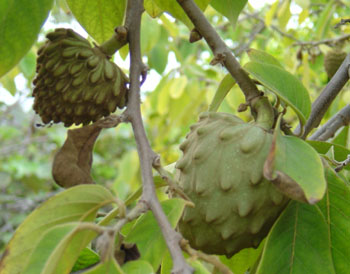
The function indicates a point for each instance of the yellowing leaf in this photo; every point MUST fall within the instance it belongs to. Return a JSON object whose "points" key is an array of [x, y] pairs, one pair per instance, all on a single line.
{"points": [[271, 13], [284, 14], [177, 86], [303, 15], [152, 9]]}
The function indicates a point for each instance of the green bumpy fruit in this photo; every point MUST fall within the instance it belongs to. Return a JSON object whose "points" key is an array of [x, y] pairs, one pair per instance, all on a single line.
{"points": [[76, 83], [332, 61], [222, 173]]}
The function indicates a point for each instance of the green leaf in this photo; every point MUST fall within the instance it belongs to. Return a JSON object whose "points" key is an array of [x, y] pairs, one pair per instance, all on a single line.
{"points": [[295, 168], [340, 152], [342, 137], [76, 204], [152, 9], [285, 85], [108, 266], [147, 236], [20, 22], [260, 56], [243, 260], [177, 86], [87, 257], [172, 7], [324, 19], [336, 208], [229, 8], [224, 87], [284, 14], [150, 34], [298, 243], [59, 248], [158, 58], [27, 64], [98, 18], [138, 267]]}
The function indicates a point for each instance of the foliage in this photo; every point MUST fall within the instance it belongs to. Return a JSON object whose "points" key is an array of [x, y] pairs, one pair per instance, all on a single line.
{"points": [[280, 45]]}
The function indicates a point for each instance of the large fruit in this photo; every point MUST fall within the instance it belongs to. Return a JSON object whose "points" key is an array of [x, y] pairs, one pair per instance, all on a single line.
{"points": [[332, 61], [75, 82], [222, 172]]}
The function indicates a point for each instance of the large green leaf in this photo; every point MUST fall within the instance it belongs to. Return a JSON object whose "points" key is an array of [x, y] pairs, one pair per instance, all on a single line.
{"points": [[109, 266], [77, 204], [20, 23], [224, 87], [243, 260], [87, 258], [59, 248], [295, 168], [138, 267], [173, 7], [263, 57], [298, 243], [98, 18], [229, 8], [336, 208], [147, 235], [285, 85]]}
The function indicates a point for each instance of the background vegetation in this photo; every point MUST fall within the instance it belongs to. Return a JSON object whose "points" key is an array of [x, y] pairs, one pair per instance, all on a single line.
{"points": [[180, 85]]}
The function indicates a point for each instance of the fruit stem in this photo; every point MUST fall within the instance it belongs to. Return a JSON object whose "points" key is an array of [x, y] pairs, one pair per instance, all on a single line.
{"points": [[117, 41], [265, 114]]}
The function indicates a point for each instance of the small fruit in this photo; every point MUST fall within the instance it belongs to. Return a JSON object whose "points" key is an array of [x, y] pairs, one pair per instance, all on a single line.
{"points": [[332, 61], [69, 73], [222, 173]]}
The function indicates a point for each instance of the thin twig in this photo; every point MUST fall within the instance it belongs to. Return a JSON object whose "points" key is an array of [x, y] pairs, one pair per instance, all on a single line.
{"points": [[174, 186], [341, 118], [330, 42], [146, 154], [343, 164], [221, 52], [322, 103]]}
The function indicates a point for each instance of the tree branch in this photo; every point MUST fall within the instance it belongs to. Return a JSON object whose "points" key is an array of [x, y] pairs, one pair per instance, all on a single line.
{"points": [[322, 103], [220, 50], [146, 154], [342, 118]]}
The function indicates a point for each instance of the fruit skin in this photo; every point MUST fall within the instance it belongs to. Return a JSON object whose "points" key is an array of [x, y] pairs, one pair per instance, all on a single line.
{"points": [[76, 83], [332, 61], [222, 173]]}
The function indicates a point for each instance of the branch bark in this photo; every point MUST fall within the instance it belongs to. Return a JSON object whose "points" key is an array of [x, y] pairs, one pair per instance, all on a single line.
{"points": [[342, 118], [322, 103], [220, 50], [146, 154]]}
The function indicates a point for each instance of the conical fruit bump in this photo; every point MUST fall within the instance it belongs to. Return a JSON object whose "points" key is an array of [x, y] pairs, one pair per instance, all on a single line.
{"points": [[76, 83], [332, 61], [222, 173]]}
